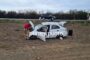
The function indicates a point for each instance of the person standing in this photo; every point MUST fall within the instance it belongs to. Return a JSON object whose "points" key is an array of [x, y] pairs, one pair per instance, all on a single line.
{"points": [[27, 28]]}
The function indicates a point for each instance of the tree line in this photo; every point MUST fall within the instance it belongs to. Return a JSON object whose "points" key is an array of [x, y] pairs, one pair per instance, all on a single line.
{"points": [[72, 14]]}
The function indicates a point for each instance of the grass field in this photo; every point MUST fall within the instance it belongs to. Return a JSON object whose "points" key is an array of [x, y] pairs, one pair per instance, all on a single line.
{"points": [[13, 45]]}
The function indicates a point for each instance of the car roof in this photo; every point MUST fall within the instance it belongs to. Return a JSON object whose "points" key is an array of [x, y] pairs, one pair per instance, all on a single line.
{"points": [[50, 23], [62, 23]]}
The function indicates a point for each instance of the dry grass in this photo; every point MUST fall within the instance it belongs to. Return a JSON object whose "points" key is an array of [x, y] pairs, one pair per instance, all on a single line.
{"points": [[13, 45]]}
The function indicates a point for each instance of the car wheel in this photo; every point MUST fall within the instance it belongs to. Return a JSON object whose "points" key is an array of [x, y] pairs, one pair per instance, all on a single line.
{"points": [[33, 37], [60, 37]]}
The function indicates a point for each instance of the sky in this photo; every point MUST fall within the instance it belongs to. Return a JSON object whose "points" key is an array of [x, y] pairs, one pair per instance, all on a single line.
{"points": [[44, 5]]}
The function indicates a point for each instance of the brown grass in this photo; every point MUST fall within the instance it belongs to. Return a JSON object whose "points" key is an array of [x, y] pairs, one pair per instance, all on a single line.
{"points": [[13, 45]]}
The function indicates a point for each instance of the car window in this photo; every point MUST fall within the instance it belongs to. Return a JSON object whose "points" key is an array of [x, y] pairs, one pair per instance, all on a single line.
{"points": [[55, 27], [42, 29]]}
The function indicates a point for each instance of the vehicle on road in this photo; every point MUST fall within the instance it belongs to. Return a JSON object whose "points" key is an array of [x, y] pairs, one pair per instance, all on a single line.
{"points": [[47, 17]]}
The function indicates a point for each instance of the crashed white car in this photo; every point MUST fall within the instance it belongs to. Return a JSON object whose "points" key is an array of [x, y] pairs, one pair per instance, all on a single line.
{"points": [[48, 30]]}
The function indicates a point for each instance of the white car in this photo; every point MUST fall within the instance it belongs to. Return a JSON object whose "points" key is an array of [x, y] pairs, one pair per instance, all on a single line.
{"points": [[48, 30]]}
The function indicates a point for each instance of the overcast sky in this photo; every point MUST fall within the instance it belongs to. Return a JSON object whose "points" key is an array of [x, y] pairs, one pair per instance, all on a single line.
{"points": [[44, 5]]}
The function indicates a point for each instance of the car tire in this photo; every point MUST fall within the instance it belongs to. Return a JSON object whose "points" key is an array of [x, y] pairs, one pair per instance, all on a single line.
{"points": [[60, 37], [33, 37]]}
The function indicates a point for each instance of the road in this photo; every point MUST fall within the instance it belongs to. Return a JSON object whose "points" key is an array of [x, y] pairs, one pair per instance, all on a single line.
{"points": [[38, 19]]}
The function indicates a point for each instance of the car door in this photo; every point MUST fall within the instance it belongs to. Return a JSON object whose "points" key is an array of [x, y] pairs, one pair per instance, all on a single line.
{"points": [[41, 33], [54, 31]]}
